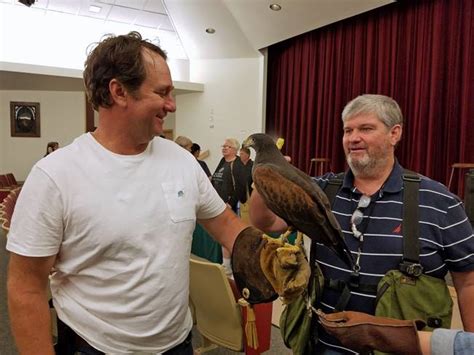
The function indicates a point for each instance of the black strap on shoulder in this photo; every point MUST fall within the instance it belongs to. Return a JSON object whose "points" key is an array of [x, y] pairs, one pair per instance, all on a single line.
{"points": [[411, 245], [410, 264], [333, 186], [312, 264]]}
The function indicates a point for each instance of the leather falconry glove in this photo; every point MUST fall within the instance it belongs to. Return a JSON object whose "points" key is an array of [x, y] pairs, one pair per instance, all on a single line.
{"points": [[362, 332], [264, 267]]}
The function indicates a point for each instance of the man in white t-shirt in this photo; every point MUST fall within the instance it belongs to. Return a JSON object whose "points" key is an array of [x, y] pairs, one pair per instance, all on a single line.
{"points": [[109, 218]]}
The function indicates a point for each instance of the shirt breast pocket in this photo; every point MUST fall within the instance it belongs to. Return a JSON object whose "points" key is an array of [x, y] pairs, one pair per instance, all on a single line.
{"points": [[179, 201]]}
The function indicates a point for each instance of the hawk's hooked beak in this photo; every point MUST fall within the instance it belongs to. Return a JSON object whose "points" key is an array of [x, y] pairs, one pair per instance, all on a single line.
{"points": [[249, 142]]}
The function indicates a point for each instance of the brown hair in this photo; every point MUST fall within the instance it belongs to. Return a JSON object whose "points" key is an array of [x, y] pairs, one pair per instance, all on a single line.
{"points": [[51, 147], [245, 149], [116, 57]]}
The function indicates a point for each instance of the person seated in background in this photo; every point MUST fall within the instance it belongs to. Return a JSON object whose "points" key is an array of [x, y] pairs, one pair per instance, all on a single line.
{"points": [[51, 147], [184, 142], [196, 151]]}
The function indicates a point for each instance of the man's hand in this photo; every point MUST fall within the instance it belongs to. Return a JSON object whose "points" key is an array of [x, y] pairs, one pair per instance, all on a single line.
{"points": [[363, 332], [264, 267]]}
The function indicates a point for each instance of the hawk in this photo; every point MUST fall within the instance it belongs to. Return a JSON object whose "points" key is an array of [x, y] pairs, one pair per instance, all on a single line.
{"points": [[294, 196]]}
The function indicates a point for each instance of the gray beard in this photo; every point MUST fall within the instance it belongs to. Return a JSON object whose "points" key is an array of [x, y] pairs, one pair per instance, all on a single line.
{"points": [[365, 167]]}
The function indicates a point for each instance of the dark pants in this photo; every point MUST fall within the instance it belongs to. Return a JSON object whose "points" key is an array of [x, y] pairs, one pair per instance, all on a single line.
{"points": [[185, 348], [69, 343]]}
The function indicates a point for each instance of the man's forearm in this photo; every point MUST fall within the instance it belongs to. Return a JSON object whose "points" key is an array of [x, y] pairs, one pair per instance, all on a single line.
{"points": [[466, 307], [224, 228], [464, 285], [31, 322], [261, 217]]}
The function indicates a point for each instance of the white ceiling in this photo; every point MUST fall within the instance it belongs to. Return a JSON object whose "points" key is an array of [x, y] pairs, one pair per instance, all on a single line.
{"points": [[245, 26], [146, 13], [242, 26]]}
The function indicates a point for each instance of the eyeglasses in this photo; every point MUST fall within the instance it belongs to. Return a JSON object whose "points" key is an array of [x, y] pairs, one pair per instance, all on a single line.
{"points": [[358, 216], [226, 146]]}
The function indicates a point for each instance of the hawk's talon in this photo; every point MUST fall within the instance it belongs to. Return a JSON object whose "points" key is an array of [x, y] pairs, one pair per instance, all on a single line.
{"points": [[284, 236]]}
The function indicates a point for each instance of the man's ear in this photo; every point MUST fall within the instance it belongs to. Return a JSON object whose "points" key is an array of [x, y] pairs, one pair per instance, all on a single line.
{"points": [[118, 93], [396, 134]]}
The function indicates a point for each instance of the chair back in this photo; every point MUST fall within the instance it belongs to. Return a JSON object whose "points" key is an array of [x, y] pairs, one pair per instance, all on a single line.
{"points": [[4, 180], [11, 179], [6, 208], [217, 313]]}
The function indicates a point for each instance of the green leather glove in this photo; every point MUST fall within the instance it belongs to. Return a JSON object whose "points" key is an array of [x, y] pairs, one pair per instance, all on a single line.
{"points": [[362, 332], [264, 267]]}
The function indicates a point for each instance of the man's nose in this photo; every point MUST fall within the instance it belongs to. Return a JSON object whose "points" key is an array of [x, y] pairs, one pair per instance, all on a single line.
{"points": [[354, 136], [170, 104]]}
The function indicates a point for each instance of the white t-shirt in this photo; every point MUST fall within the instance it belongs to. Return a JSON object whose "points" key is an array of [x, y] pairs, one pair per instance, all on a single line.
{"points": [[122, 228]]}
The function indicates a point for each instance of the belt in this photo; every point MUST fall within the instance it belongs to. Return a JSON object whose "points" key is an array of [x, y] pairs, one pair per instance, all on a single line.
{"points": [[177, 349], [77, 344], [84, 347]]}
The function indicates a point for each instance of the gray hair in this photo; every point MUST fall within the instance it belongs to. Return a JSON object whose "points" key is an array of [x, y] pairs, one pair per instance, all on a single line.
{"points": [[184, 142], [234, 143], [385, 108]]}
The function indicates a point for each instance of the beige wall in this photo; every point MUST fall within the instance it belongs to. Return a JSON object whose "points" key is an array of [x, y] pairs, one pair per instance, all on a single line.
{"points": [[62, 119], [230, 106]]}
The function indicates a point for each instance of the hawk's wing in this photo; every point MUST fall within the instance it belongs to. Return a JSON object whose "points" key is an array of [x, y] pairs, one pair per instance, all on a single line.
{"points": [[299, 203]]}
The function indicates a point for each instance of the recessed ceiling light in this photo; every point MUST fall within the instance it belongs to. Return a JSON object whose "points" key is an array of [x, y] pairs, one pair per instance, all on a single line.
{"points": [[95, 9], [275, 7], [210, 30]]}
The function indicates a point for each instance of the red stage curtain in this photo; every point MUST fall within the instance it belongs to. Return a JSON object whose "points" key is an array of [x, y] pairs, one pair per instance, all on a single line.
{"points": [[418, 52]]}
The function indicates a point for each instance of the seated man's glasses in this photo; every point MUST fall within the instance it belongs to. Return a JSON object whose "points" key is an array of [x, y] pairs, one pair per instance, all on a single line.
{"points": [[358, 216]]}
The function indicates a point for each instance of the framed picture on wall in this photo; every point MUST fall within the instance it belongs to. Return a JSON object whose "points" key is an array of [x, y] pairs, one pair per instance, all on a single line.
{"points": [[25, 119]]}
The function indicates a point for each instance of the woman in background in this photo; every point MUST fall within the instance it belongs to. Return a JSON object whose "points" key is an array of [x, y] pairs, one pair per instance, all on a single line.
{"points": [[196, 151], [230, 183], [51, 147], [229, 177]]}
